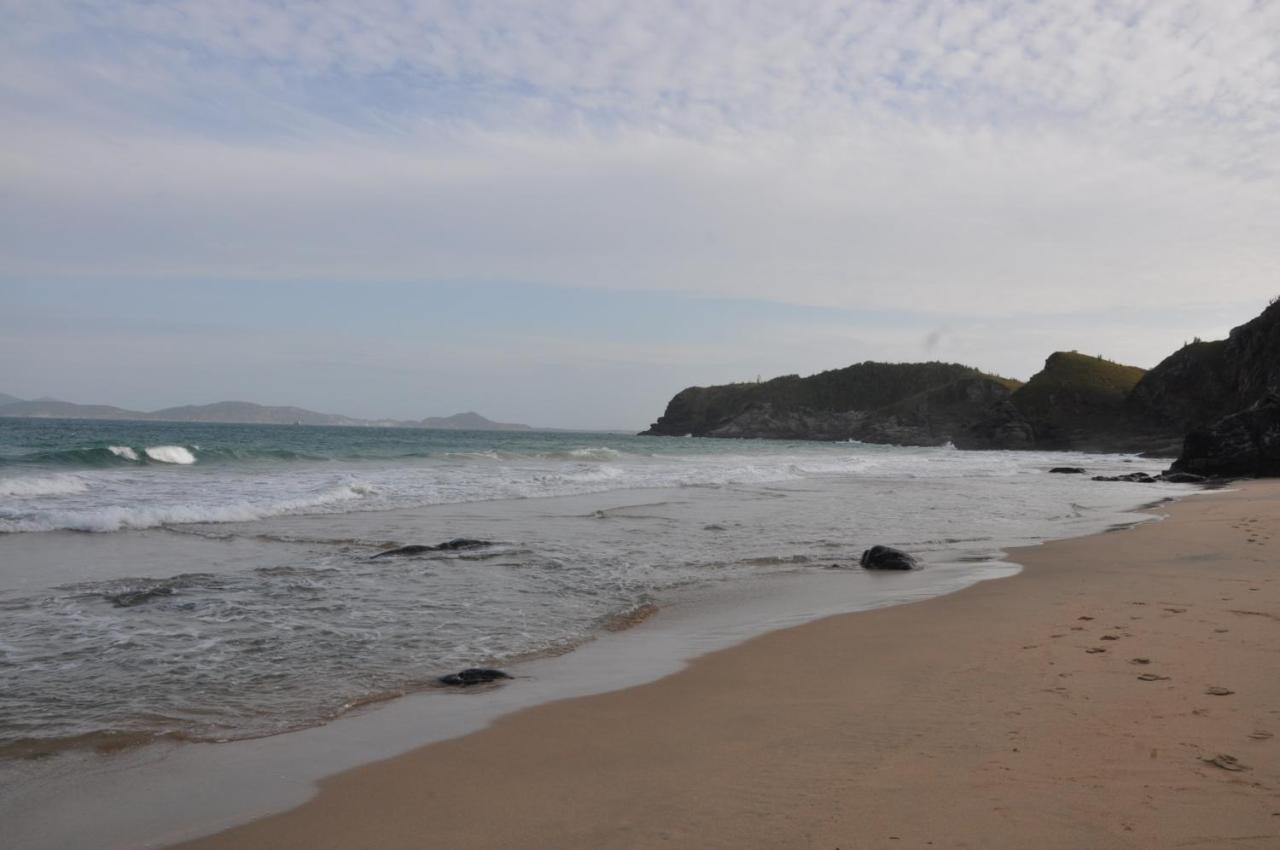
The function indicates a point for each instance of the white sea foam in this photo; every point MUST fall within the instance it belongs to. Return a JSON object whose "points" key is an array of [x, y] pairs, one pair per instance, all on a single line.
{"points": [[123, 451], [52, 485], [170, 454], [594, 453], [120, 517]]}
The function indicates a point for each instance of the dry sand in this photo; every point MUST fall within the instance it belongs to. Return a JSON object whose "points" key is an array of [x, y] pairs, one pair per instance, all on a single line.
{"points": [[977, 720]]}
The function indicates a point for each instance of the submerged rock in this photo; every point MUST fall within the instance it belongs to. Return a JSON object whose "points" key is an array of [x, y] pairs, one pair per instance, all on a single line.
{"points": [[455, 545], [130, 598], [1068, 470], [473, 676], [887, 558]]}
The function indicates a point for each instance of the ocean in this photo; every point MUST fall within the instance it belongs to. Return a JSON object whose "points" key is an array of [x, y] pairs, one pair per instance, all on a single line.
{"points": [[210, 582]]}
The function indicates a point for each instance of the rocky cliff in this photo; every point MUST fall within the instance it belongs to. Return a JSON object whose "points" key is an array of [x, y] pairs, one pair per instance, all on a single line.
{"points": [[911, 403], [1237, 430], [1075, 402]]}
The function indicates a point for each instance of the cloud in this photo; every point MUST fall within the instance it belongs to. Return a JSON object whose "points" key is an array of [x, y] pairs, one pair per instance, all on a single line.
{"points": [[1003, 160]]}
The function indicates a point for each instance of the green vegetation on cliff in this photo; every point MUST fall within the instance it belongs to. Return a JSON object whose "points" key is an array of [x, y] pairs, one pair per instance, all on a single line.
{"points": [[829, 405], [1077, 401]]}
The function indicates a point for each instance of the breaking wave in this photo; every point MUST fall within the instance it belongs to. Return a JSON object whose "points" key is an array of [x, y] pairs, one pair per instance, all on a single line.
{"points": [[120, 517], [171, 454], [52, 485]]}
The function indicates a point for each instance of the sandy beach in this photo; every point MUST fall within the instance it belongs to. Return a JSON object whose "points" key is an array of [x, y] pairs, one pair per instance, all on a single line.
{"points": [[1122, 691]]}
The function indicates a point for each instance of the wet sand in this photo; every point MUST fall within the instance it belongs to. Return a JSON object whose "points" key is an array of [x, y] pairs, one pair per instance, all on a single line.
{"points": [[980, 719]]}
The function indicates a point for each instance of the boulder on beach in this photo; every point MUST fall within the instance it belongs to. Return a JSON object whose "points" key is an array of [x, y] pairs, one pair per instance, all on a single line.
{"points": [[1068, 470], [887, 558], [472, 676]]}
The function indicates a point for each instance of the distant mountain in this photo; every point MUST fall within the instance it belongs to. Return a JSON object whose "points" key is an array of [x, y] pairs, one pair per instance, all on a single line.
{"points": [[469, 421], [66, 410], [242, 412], [5, 398], [245, 412]]}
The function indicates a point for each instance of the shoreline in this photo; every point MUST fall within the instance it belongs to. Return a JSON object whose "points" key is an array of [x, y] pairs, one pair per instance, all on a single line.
{"points": [[976, 719]]}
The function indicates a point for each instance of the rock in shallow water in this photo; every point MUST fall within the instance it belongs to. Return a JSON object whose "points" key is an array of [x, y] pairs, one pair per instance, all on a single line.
{"points": [[1068, 470], [131, 598], [1135, 477], [887, 558], [473, 676], [455, 545]]}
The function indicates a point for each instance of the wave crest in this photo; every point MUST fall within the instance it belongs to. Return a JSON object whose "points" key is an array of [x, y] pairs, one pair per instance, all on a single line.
{"points": [[51, 485], [170, 454]]}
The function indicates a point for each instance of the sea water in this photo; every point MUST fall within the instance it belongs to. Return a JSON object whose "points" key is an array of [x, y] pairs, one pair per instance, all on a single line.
{"points": [[259, 609]]}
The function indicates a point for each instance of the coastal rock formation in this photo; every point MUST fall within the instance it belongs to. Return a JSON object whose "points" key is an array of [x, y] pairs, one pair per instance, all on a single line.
{"points": [[887, 558], [1243, 444], [904, 403], [473, 676], [1076, 402]]}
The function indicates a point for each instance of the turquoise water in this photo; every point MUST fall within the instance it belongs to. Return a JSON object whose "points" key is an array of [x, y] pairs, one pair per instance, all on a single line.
{"points": [[254, 605]]}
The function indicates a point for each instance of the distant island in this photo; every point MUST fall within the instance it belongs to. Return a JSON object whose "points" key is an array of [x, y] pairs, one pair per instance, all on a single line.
{"points": [[1215, 405], [240, 412]]}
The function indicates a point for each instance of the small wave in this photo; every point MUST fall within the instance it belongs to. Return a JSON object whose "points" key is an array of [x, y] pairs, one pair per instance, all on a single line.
{"points": [[119, 518], [123, 452], [595, 453], [53, 485], [170, 454]]}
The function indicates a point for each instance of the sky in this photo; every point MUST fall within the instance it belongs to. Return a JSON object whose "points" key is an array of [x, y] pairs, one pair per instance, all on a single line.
{"points": [[562, 213]]}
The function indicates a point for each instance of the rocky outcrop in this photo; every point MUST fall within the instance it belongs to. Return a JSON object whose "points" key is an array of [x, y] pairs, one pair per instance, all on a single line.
{"points": [[904, 403], [1188, 389], [1243, 444], [1078, 402]]}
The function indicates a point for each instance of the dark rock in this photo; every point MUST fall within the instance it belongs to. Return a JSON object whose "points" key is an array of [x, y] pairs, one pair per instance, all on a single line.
{"points": [[1135, 477], [472, 676], [1183, 478], [130, 598], [1068, 470], [887, 558], [455, 545], [1243, 444]]}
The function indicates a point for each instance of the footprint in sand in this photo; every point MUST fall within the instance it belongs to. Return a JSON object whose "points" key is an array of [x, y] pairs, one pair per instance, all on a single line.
{"points": [[1084, 618], [1139, 660], [1094, 649], [1109, 637], [1224, 761], [1176, 610], [1216, 691], [1260, 735], [1152, 677]]}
